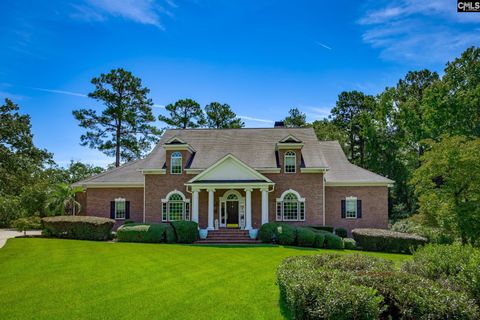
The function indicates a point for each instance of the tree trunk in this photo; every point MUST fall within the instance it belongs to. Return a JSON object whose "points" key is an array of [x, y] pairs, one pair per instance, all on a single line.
{"points": [[117, 146]]}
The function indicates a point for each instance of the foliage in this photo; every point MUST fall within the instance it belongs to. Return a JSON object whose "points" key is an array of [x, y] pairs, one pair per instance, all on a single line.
{"points": [[349, 244], [184, 114], [434, 235], [186, 231], [29, 223], [332, 241], [61, 200], [221, 116], [295, 119], [453, 266], [320, 227], [78, 227], [448, 187], [341, 232], [10, 210], [387, 240], [280, 233], [124, 128], [305, 237], [77, 171], [266, 233], [148, 233], [319, 240]]}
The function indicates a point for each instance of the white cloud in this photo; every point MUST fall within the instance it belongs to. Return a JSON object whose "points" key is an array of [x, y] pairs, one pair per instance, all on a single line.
{"points": [[68, 93], [256, 119], [418, 32], [323, 45]]}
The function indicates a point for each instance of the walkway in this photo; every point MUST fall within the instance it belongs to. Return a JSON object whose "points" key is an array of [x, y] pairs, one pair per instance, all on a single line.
{"points": [[6, 234]]}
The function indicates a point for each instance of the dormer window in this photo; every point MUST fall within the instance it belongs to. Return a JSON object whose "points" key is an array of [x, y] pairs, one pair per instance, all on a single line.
{"points": [[176, 163], [290, 162]]}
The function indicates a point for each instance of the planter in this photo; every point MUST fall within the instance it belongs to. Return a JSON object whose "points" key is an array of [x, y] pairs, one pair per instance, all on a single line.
{"points": [[253, 233], [203, 233]]}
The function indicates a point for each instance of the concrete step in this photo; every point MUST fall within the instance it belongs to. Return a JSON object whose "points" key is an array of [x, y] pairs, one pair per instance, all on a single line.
{"points": [[228, 241]]}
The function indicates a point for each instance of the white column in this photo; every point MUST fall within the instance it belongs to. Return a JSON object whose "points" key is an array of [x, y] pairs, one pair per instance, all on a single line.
{"points": [[248, 209], [264, 205], [210, 208], [195, 205]]}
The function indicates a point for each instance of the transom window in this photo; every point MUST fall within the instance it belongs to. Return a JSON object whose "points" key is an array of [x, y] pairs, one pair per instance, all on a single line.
{"points": [[176, 163], [120, 208], [290, 162], [175, 207], [290, 207], [232, 197], [351, 207]]}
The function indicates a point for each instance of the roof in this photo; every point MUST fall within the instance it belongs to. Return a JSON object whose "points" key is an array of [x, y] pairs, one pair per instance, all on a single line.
{"points": [[255, 147]]}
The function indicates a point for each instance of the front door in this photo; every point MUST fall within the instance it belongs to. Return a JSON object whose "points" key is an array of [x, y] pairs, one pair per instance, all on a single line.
{"points": [[232, 214]]}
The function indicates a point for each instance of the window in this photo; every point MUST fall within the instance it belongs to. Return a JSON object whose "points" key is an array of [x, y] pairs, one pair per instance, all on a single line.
{"points": [[290, 207], [351, 208], [120, 208], [290, 162], [176, 163], [175, 207]]}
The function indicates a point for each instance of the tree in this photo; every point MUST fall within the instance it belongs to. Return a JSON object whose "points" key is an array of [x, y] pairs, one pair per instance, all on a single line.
{"points": [[77, 171], [61, 200], [448, 187], [221, 116], [327, 130], [184, 114], [348, 114], [295, 119], [123, 129]]}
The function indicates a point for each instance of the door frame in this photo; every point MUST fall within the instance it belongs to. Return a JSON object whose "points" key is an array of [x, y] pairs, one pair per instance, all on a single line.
{"points": [[222, 201]]}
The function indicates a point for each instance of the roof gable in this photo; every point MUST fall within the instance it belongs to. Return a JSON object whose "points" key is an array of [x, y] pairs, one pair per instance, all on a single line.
{"points": [[290, 139], [229, 168]]}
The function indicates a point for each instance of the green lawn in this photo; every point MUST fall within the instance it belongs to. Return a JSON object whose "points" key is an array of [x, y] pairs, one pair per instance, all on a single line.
{"points": [[68, 279]]}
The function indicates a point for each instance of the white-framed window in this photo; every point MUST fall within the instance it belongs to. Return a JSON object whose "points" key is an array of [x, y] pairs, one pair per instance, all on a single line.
{"points": [[120, 208], [290, 162], [351, 208], [176, 163], [290, 207], [175, 207]]}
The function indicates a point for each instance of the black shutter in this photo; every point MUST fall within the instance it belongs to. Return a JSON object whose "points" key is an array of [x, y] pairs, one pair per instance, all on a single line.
{"points": [[359, 208], [127, 209], [112, 209], [343, 209]]}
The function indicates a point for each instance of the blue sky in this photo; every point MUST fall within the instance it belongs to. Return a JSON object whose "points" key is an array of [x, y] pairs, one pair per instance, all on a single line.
{"points": [[261, 57]]}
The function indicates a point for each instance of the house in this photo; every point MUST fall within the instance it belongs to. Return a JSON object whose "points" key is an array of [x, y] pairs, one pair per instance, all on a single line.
{"points": [[241, 178]]}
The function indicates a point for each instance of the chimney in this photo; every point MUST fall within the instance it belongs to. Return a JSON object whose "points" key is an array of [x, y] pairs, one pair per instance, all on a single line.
{"points": [[279, 124]]}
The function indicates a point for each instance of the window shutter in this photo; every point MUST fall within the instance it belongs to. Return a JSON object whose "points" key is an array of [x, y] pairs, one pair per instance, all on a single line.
{"points": [[127, 209], [359, 208], [112, 209], [344, 209]]}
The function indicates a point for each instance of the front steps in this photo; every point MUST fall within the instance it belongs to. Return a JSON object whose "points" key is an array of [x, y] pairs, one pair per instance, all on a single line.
{"points": [[228, 236]]}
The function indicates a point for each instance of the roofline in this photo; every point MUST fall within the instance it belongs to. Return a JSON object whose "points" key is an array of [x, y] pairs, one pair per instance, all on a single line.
{"points": [[93, 185], [255, 128], [359, 183]]}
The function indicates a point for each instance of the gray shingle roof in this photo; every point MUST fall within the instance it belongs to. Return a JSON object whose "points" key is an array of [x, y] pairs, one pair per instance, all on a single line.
{"points": [[254, 147]]}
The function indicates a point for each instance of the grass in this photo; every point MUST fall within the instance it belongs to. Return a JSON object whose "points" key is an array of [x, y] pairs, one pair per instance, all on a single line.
{"points": [[68, 279]]}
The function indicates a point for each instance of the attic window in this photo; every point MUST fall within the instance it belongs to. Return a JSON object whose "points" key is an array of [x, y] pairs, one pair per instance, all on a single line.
{"points": [[290, 165], [176, 163]]}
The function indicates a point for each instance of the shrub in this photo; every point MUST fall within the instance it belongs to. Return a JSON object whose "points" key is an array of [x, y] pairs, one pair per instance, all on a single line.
{"points": [[30, 223], [320, 227], [147, 233], [186, 231], [10, 209], [434, 235], [341, 232], [78, 227], [453, 266], [305, 237], [386, 240], [349, 244], [128, 222], [333, 242], [281, 233], [319, 240], [266, 233]]}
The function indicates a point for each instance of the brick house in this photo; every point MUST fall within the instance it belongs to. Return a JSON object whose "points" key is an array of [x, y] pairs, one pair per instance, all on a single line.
{"points": [[241, 178]]}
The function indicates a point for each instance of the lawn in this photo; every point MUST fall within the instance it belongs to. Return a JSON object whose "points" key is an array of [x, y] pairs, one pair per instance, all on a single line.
{"points": [[68, 279]]}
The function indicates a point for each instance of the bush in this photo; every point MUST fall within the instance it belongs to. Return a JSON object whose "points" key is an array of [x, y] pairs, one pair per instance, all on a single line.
{"points": [[266, 233], [281, 233], [30, 223], [386, 240], [333, 242], [453, 266], [78, 227], [341, 232], [434, 235], [10, 210], [319, 240], [320, 227], [128, 222], [305, 237], [349, 244], [147, 233], [186, 231]]}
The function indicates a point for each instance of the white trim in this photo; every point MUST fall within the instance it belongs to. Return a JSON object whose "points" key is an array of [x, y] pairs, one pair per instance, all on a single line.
{"points": [[144, 200], [282, 146], [174, 192], [289, 154], [178, 147], [111, 185], [355, 199], [323, 200], [222, 203], [117, 200], [359, 184], [253, 185], [165, 201], [232, 157], [313, 170], [153, 171], [261, 170], [291, 191], [176, 157], [193, 171], [290, 137], [299, 201], [175, 138]]}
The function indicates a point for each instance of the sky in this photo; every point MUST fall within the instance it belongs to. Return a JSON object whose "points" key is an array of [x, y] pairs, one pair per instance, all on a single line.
{"points": [[261, 57]]}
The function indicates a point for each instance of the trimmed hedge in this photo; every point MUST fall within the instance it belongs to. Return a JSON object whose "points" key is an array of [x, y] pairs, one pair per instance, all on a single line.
{"points": [[341, 232], [186, 231], [319, 240], [333, 286], [349, 244], [320, 227], [147, 233], [387, 241], [280, 233], [332, 241], [305, 237], [78, 227]]}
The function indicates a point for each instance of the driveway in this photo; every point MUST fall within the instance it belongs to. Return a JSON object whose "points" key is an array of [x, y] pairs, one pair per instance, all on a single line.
{"points": [[6, 234]]}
